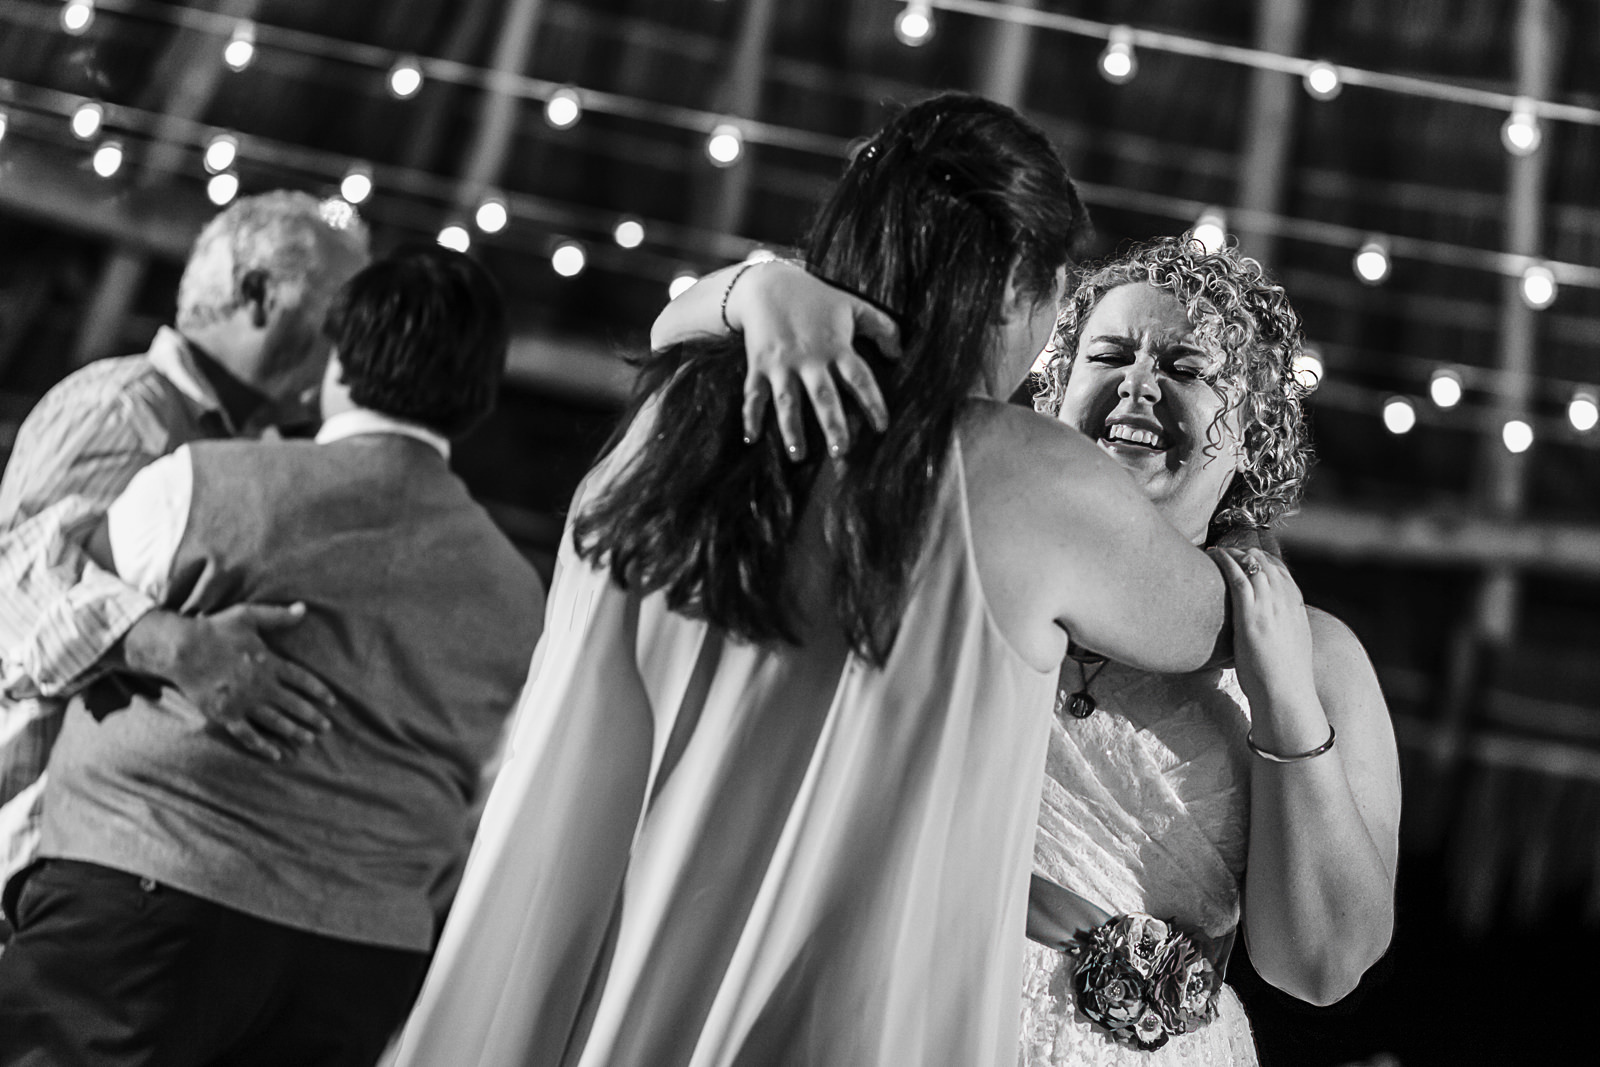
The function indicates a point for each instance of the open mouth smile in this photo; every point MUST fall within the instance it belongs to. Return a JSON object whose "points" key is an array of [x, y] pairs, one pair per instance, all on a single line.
{"points": [[1122, 436]]}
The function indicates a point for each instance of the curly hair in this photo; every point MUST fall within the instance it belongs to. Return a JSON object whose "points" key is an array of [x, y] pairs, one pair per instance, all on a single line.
{"points": [[1239, 314]]}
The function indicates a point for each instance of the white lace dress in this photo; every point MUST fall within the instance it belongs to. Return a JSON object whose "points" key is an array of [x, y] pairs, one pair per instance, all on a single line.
{"points": [[1145, 808]]}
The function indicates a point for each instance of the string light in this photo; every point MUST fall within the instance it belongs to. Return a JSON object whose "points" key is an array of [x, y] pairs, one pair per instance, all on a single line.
{"points": [[1118, 63], [356, 185], [1211, 229], [629, 232], [725, 145], [107, 158], [1444, 388], [1399, 415], [405, 78], [1372, 261], [222, 188], [1583, 411], [455, 237], [1308, 369], [491, 215], [221, 152], [1538, 286], [568, 259], [77, 16], [1516, 435], [681, 283], [1322, 81], [914, 25], [564, 108], [1520, 132], [86, 120], [241, 47]]}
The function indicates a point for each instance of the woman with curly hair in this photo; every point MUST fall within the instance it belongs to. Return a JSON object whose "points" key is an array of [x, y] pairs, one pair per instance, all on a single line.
{"points": [[1176, 808]]}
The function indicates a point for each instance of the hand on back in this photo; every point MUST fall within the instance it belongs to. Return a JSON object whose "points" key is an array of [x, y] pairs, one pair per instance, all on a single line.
{"points": [[265, 703]]}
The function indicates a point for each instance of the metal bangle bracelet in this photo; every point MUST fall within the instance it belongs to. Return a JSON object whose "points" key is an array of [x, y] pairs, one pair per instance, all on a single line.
{"points": [[1273, 757]]}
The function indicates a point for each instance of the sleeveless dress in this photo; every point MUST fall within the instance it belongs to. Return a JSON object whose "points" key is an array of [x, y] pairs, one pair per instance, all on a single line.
{"points": [[1145, 808], [709, 853]]}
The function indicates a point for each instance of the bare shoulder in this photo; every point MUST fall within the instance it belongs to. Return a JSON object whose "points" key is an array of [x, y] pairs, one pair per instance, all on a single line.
{"points": [[1009, 448], [1340, 660]]}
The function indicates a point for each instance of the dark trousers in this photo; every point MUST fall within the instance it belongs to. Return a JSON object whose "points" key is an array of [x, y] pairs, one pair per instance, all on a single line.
{"points": [[110, 970]]}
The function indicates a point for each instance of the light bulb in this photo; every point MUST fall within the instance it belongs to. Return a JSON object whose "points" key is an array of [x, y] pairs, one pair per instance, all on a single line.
{"points": [[1322, 81], [405, 79], [1308, 369], [563, 109], [491, 215], [222, 188], [77, 16], [629, 232], [86, 120], [1399, 415], [1372, 261], [1211, 230], [568, 259], [1583, 411], [108, 158], [222, 150], [1444, 388], [680, 284], [914, 25], [1516, 435], [1538, 287], [1520, 132], [725, 145], [1118, 63], [241, 47], [455, 237], [356, 185]]}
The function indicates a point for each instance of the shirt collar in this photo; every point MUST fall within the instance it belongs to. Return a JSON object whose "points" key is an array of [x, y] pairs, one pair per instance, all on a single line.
{"points": [[171, 355], [359, 421]]}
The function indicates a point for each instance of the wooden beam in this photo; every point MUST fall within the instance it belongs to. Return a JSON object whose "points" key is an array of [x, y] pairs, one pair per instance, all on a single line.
{"points": [[1271, 107], [1445, 539]]}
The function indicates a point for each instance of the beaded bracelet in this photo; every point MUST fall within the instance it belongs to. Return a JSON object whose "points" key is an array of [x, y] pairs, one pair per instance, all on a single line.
{"points": [[729, 290], [1250, 739]]}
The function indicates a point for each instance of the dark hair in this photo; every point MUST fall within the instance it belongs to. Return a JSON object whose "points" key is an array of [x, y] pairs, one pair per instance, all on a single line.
{"points": [[929, 221], [422, 335]]}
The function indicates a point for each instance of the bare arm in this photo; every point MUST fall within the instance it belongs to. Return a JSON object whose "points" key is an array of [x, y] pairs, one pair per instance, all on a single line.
{"points": [[1068, 546], [1319, 882], [795, 326]]}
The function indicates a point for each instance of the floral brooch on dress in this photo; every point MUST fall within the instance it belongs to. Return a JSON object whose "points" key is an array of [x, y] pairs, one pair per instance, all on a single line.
{"points": [[1144, 980]]}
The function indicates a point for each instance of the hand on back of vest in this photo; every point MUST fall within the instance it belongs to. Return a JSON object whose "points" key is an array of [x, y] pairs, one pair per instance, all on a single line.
{"points": [[268, 705]]}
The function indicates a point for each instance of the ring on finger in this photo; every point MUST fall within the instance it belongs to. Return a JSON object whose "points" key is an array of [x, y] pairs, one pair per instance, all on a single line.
{"points": [[1252, 566]]}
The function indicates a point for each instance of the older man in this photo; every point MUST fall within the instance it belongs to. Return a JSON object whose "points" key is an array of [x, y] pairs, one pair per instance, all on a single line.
{"points": [[195, 905], [246, 353]]}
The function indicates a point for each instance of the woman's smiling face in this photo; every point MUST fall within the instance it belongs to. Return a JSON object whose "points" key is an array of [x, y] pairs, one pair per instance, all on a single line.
{"points": [[1144, 389]]}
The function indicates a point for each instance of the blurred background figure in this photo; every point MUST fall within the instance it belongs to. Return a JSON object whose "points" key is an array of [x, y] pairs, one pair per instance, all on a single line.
{"points": [[1437, 231]]}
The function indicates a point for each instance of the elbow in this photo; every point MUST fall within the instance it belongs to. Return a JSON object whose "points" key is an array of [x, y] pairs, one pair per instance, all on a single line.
{"points": [[1328, 973]]}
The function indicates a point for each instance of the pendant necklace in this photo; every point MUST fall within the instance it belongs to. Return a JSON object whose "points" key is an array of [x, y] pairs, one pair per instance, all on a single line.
{"points": [[1081, 705]]}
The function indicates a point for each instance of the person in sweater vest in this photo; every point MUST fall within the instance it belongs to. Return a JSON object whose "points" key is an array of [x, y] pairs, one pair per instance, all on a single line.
{"points": [[197, 904]]}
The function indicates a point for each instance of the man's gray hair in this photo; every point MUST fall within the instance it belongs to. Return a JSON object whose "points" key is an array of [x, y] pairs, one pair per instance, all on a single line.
{"points": [[286, 234]]}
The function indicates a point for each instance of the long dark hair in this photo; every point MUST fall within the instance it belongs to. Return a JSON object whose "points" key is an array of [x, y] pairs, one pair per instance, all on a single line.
{"points": [[931, 218]]}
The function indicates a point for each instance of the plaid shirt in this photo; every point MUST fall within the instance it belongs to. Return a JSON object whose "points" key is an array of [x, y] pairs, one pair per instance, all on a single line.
{"points": [[59, 613]]}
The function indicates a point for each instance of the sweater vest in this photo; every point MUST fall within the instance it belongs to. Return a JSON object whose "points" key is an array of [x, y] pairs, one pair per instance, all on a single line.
{"points": [[420, 616]]}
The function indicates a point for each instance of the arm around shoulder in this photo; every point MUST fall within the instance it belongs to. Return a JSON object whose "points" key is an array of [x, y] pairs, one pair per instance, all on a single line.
{"points": [[1068, 545]]}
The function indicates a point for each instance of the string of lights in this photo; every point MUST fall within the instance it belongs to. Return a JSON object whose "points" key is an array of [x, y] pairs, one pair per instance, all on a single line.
{"points": [[726, 137], [1323, 80], [564, 105]]}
